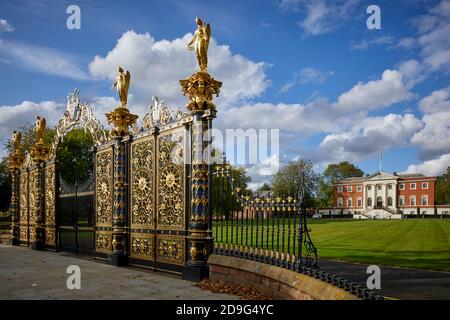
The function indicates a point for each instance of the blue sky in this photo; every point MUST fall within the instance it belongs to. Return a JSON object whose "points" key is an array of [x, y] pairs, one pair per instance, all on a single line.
{"points": [[335, 89]]}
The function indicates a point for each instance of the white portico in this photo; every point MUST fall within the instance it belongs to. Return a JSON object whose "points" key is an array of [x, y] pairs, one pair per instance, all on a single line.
{"points": [[380, 191]]}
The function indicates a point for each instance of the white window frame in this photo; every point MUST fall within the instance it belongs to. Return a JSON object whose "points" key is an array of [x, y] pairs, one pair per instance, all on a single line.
{"points": [[425, 183], [410, 202], [379, 187], [401, 201], [411, 186], [369, 187], [349, 189], [358, 188], [349, 202], [401, 186], [340, 202], [340, 189], [359, 202], [423, 198]]}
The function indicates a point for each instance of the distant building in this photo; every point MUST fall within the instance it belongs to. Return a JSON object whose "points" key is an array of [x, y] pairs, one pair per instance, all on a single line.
{"points": [[385, 196]]}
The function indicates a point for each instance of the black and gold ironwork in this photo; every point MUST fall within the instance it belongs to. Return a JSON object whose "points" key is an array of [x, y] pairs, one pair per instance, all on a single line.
{"points": [[263, 227]]}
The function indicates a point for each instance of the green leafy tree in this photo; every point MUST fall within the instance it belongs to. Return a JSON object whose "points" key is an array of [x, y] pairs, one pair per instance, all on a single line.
{"points": [[5, 186], [76, 156], [289, 180], [443, 188], [265, 187], [334, 173]]}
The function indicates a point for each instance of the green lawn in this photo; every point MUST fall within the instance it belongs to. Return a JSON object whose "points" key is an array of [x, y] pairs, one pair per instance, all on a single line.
{"points": [[415, 243]]}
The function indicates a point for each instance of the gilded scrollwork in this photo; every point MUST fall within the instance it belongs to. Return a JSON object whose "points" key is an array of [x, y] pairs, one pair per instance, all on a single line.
{"points": [[142, 199], [103, 242], [159, 114], [171, 179], [50, 194], [34, 195], [103, 187], [142, 246], [24, 197], [23, 233], [171, 249], [50, 236]]}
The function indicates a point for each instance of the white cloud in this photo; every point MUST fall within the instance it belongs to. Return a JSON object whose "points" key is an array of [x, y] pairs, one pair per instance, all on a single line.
{"points": [[377, 41], [5, 26], [438, 101], [157, 66], [434, 167], [41, 59], [365, 138], [433, 30], [388, 90], [13, 117], [323, 17], [413, 72], [306, 75]]}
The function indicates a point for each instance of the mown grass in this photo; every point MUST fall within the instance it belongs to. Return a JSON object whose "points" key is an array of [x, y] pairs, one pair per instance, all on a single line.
{"points": [[413, 243]]}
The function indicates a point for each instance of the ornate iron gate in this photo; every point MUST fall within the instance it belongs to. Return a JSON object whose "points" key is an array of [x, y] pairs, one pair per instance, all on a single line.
{"points": [[75, 217]]}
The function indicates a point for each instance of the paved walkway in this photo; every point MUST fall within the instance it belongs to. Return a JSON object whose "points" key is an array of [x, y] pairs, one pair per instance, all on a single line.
{"points": [[29, 274], [400, 283]]}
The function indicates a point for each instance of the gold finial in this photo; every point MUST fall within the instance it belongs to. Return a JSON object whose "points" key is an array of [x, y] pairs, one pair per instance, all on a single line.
{"points": [[200, 43], [39, 150], [122, 84]]}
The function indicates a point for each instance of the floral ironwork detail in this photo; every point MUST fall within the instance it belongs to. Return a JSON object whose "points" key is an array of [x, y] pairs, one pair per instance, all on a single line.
{"points": [[103, 242], [78, 114], [24, 198], [103, 182], [159, 114], [142, 159], [171, 250], [171, 178], [34, 195], [142, 247], [50, 195]]}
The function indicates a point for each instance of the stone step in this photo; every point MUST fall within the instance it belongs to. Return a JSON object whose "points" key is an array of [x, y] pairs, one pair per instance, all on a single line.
{"points": [[5, 238]]}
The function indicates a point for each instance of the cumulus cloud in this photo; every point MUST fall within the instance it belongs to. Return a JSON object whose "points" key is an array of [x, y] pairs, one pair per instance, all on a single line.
{"points": [[13, 117], [41, 59], [438, 101], [365, 138], [434, 167], [375, 94], [157, 66], [433, 30], [5, 26]]}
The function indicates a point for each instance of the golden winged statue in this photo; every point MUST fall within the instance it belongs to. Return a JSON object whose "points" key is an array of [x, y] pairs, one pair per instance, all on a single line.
{"points": [[121, 84], [15, 141], [200, 43], [39, 128]]}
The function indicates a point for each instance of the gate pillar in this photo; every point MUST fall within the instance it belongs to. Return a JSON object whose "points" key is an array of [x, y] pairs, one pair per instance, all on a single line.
{"points": [[39, 152], [14, 163], [121, 119], [200, 87]]}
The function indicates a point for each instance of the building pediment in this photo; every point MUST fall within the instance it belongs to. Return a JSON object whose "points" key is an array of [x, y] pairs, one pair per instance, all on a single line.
{"points": [[381, 176]]}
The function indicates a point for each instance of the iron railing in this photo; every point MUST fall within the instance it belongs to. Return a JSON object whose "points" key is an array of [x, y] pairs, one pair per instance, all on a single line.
{"points": [[268, 229]]}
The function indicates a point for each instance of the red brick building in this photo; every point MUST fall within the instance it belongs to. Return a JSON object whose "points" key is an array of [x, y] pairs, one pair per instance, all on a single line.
{"points": [[384, 195]]}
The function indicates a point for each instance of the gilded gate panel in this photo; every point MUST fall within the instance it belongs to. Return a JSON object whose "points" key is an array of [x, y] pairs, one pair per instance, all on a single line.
{"points": [[142, 246], [50, 204], [170, 180], [104, 187], [24, 206], [103, 241], [142, 182], [170, 249], [34, 195]]}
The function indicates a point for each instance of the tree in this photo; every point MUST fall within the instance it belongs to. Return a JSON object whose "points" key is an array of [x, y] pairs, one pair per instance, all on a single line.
{"points": [[443, 188], [76, 156], [5, 185], [289, 180], [265, 187], [334, 173]]}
